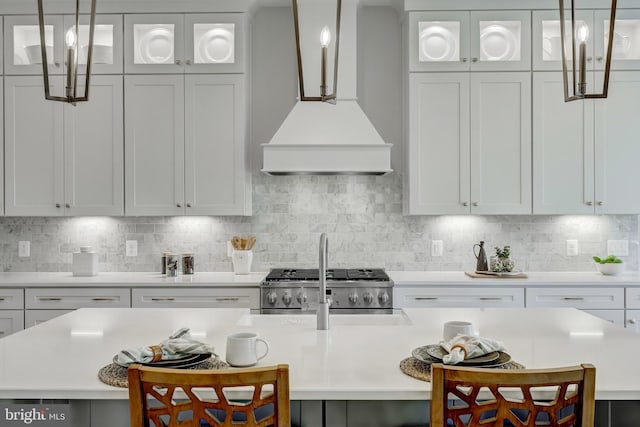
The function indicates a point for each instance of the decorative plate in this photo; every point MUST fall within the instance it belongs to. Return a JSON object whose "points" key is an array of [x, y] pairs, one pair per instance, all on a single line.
{"points": [[183, 362], [156, 46], [437, 44], [216, 46], [498, 43], [422, 355]]}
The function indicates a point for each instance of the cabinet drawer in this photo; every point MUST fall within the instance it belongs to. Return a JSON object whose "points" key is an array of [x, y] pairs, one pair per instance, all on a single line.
{"points": [[614, 316], [457, 297], [633, 320], [584, 298], [35, 317], [11, 321], [70, 298], [633, 297], [196, 297], [11, 299]]}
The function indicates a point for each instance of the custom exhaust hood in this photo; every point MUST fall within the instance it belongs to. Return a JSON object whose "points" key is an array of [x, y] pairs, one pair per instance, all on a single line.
{"points": [[321, 138]]}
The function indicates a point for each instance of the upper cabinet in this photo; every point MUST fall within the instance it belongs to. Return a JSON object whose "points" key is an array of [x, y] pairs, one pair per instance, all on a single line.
{"points": [[23, 52], [475, 41], [192, 43], [626, 41]]}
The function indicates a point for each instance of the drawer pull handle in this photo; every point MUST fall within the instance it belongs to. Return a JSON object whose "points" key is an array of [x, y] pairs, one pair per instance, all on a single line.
{"points": [[2, 298], [632, 321], [573, 298], [163, 299], [227, 299], [1, 332], [102, 299], [426, 298], [49, 299], [490, 299]]}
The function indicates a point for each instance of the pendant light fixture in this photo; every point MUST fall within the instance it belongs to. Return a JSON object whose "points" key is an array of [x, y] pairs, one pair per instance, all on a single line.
{"points": [[325, 41], [71, 57], [575, 79]]}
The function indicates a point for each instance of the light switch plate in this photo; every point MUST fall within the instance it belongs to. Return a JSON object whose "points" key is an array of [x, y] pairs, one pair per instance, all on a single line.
{"points": [[131, 248], [572, 247], [24, 248], [618, 247], [436, 248]]}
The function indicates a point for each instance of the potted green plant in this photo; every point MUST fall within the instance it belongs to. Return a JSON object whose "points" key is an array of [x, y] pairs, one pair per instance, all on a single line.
{"points": [[501, 263]]}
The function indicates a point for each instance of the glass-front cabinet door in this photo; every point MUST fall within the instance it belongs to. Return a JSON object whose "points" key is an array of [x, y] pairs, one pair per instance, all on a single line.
{"points": [[439, 41], [626, 40], [22, 52], [547, 43], [107, 43], [500, 40], [192, 43], [462, 41], [153, 43]]}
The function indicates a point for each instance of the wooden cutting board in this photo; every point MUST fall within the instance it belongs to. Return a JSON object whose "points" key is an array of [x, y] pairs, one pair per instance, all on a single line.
{"points": [[491, 275]]}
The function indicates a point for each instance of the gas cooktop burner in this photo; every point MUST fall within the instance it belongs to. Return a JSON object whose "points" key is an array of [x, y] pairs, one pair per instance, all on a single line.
{"points": [[333, 274]]}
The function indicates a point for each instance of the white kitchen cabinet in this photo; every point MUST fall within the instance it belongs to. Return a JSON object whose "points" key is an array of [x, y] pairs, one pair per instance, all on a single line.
{"points": [[185, 145], [584, 151], [191, 43], [22, 44], [79, 166], [73, 298], [632, 320], [626, 42], [496, 40], [614, 316], [11, 321], [35, 317], [469, 143], [197, 297], [582, 298], [449, 297], [11, 299]]}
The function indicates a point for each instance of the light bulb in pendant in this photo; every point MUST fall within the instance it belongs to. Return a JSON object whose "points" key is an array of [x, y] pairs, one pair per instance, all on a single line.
{"points": [[582, 33], [325, 37], [70, 38]]}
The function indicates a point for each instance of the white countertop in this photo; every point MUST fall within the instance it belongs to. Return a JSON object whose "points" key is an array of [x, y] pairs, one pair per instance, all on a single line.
{"points": [[129, 279], [453, 278], [357, 359]]}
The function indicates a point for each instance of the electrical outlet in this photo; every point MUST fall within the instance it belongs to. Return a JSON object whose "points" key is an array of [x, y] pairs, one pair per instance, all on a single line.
{"points": [[24, 248], [131, 248], [436, 247], [572, 247], [618, 247]]}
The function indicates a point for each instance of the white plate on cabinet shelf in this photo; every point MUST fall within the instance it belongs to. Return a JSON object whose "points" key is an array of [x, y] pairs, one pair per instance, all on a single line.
{"points": [[437, 44], [156, 46], [216, 46], [497, 43]]}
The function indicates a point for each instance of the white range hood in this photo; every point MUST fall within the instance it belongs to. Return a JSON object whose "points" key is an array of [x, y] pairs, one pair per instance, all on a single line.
{"points": [[325, 139]]}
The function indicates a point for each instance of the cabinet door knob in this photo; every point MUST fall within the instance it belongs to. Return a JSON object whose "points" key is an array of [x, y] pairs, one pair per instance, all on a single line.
{"points": [[179, 205], [178, 62], [464, 59], [474, 59], [599, 58], [465, 203], [188, 205], [589, 203], [58, 205], [632, 321], [67, 205], [600, 203], [57, 64], [188, 62], [589, 59], [475, 203]]}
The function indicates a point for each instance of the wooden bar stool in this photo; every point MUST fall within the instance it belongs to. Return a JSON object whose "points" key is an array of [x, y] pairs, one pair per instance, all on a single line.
{"points": [[474, 397], [256, 397]]}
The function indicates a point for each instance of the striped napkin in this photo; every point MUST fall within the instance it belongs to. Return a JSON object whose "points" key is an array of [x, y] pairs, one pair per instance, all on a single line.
{"points": [[463, 347], [178, 345]]}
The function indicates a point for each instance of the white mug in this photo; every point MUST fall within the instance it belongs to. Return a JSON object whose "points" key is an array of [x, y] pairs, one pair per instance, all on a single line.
{"points": [[242, 261], [242, 349], [456, 327]]}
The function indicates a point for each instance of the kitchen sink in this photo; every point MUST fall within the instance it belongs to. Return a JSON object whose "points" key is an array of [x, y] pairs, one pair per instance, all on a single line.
{"points": [[398, 318]]}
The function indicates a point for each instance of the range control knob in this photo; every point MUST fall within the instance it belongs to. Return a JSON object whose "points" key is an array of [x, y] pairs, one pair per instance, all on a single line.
{"points": [[301, 297], [286, 299], [353, 298], [272, 297], [368, 298], [383, 297]]}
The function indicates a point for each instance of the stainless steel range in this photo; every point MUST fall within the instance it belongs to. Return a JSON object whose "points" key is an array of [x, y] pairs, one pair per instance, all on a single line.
{"points": [[359, 291]]}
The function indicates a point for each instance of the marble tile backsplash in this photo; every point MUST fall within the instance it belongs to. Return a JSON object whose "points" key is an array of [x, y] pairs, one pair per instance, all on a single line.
{"points": [[361, 214]]}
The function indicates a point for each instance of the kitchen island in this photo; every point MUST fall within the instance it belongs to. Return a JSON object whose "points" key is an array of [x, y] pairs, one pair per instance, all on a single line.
{"points": [[353, 367]]}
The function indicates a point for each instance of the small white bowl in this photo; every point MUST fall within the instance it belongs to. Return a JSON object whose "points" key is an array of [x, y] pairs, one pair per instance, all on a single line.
{"points": [[610, 269]]}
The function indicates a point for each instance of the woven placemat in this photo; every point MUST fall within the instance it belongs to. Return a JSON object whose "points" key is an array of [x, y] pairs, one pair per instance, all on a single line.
{"points": [[116, 375], [422, 371]]}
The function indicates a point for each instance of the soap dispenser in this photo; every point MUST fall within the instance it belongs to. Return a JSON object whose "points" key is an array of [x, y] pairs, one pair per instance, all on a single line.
{"points": [[85, 262], [481, 257]]}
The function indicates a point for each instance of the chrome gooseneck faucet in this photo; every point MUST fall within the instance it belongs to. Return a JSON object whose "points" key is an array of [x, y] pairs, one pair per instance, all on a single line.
{"points": [[323, 304]]}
